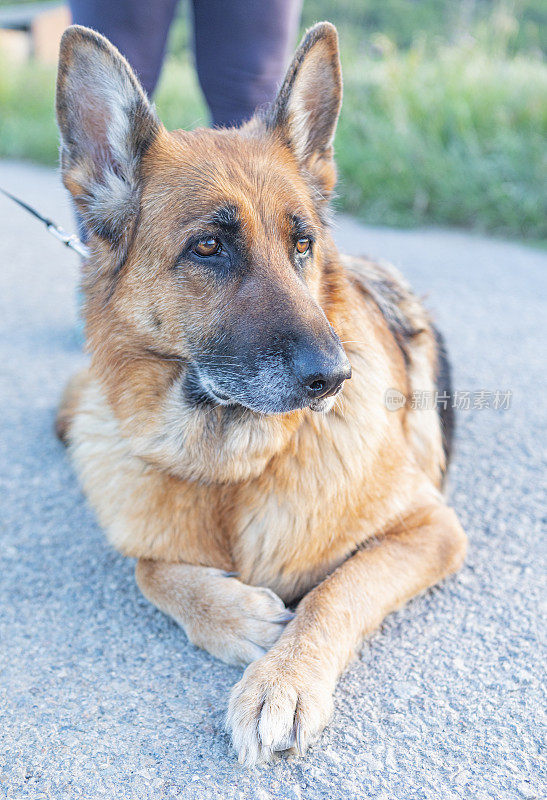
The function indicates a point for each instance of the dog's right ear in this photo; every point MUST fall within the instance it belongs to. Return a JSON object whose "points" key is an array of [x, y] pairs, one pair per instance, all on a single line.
{"points": [[106, 124]]}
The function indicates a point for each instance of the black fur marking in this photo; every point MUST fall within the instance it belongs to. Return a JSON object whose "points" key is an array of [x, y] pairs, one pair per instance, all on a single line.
{"points": [[226, 217], [387, 295], [443, 384], [302, 227]]}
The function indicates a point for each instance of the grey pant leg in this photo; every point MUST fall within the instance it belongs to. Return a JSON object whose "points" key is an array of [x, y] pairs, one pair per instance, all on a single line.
{"points": [[138, 28], [242, 48]]}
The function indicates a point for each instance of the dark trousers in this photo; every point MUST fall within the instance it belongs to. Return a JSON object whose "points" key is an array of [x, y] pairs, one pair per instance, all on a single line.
{"points": [[241, 46]]}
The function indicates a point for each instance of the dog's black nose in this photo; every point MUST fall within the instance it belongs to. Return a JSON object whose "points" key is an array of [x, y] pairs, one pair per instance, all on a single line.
{"points": [[321, 374]]}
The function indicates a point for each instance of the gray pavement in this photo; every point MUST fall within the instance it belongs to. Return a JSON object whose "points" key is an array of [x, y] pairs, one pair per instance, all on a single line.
{"points": [[102, 696]]}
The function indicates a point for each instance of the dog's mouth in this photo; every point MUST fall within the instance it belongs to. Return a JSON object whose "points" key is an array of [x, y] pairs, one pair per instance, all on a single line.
{"points": [[325, 404], [217, 396], [201, 388]]}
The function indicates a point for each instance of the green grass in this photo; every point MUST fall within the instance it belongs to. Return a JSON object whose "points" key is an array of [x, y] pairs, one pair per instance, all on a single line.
{"points": [[27, 126], [457, 139], [524, 22], [435, 129]]}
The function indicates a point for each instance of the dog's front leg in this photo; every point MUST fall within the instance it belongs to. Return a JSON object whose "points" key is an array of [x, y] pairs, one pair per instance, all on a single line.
{"points": [[231, 620], [285, 699]]}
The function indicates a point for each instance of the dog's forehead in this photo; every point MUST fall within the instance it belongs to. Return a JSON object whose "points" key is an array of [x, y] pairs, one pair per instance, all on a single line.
{"points": [[202, 170]]}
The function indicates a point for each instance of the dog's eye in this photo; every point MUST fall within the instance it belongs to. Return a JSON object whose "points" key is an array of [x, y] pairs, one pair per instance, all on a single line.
{"points": [[209, 246], [303, 245]]}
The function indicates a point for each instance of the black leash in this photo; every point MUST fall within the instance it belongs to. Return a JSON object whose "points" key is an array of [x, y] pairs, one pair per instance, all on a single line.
{"points": [[69, 240]]}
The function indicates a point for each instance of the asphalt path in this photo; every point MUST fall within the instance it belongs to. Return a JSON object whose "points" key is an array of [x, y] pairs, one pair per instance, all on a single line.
{"points": [[102, 696]]}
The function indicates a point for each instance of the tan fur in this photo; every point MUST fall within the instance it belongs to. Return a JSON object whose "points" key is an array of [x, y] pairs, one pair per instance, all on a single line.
{"points": [[341, 508]]}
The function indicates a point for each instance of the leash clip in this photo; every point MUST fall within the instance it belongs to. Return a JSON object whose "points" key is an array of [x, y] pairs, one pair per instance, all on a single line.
{"points": [[69, 240]]}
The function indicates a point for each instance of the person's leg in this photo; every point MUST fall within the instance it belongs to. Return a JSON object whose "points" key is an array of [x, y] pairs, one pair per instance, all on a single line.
{"points": [[242, 48], [138, 29]]}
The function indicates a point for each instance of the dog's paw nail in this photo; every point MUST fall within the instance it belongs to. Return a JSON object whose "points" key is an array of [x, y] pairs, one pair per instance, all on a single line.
{"points": [[231, 574], [300, 741]]}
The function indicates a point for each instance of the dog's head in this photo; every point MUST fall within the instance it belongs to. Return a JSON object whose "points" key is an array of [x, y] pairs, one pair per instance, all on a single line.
{"points": [[209, 247]]}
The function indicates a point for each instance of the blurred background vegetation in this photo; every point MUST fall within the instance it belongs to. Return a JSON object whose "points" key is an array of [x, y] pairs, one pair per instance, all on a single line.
{"points": [[444, 118]]}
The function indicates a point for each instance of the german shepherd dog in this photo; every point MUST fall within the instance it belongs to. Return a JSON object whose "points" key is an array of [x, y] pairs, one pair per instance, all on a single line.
{"points": [[216, 432]]}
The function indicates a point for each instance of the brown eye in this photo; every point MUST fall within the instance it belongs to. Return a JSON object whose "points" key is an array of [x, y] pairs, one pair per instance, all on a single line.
{"points": [[303, 245], [207, 247]]}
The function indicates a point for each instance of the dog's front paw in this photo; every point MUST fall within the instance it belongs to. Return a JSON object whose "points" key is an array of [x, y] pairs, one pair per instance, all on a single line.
{"points": [[238, 622], [277, 706]]}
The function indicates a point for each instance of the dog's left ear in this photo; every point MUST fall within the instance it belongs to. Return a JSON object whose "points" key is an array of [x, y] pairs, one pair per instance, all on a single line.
{"points": [[106, 125], [306, 109]]}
